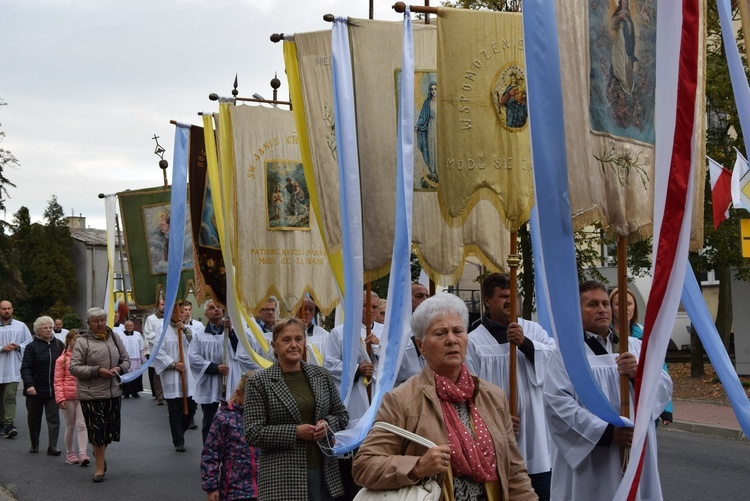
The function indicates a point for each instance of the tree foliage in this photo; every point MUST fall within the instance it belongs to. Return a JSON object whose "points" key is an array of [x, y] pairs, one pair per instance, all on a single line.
{"points": [[45, 261], [11, 283]]}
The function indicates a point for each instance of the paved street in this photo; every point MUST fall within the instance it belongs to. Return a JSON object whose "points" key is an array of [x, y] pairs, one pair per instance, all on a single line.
{"points": [[143, 465], [701, 467]]}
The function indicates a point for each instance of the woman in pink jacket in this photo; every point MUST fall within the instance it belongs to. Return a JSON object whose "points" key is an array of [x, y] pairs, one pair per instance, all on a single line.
{"points": [[65, 396]]}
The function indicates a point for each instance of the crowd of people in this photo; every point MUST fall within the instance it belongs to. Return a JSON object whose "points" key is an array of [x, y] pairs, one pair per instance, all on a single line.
{"points": [[268, 425]]}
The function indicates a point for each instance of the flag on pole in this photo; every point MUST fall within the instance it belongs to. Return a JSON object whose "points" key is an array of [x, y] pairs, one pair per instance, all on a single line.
{"points": [[721, 190], [740, 180]]}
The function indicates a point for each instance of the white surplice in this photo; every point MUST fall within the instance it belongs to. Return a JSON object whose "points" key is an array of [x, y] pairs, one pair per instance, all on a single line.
{"points": [[171, 381], [490, 360], [580, 468]]}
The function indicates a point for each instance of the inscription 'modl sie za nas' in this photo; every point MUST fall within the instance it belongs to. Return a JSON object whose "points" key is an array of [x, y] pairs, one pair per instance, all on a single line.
{"points": [[479, 64], [496, 163]]}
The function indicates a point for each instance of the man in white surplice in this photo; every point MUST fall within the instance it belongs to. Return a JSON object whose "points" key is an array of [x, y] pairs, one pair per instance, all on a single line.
{"points": [[334, 360], [316, 335], [169, 368], [586, 449], [412, 362], [488, 356], [207, 355]]}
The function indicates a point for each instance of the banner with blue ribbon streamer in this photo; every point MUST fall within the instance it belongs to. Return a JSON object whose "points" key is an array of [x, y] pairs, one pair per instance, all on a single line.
{"points": [[553, 203], [396, 329]]}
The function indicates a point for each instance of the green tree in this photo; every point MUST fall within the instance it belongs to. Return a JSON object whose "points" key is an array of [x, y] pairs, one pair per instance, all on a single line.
{"points": [[45, 255]]}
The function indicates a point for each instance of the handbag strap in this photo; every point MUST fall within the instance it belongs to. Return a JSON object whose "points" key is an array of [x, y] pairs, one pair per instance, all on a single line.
{"points": [[404, 433]]}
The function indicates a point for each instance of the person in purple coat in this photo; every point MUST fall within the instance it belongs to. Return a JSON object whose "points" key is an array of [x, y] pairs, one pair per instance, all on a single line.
{"points": [[229, 467]]}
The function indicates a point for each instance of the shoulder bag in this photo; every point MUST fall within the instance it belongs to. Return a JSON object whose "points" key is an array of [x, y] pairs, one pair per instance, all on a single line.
{"points": [[425, 490]]}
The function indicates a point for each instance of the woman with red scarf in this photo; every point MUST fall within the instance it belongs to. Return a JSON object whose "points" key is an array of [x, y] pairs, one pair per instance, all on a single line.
{"points": [[477, 457]]}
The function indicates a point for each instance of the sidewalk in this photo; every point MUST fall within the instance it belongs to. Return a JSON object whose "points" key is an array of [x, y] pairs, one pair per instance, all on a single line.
{"points": [[707, 418]]}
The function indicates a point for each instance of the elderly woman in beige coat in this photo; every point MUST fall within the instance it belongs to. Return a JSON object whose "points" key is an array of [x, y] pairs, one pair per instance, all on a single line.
{"points": [[477, 456], [99, 359]]}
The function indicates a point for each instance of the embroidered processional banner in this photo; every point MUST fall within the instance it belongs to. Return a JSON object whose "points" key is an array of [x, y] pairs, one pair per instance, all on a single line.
{"points": [[483, 140], [279, 249], [210, 272], [146, 219], [608, 49], [376, 64]]}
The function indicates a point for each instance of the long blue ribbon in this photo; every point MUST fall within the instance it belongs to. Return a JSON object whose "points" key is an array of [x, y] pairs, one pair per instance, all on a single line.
{"points": [[553, 202], [695, 305], [395, 332], [351, 203], [178, 209]]}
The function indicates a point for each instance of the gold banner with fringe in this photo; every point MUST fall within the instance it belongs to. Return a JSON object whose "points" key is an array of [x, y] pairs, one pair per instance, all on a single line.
{"points": [[483, 141]]}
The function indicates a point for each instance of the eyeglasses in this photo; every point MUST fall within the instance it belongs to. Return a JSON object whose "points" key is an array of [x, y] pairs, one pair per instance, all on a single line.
{"points": [[269, 310]]}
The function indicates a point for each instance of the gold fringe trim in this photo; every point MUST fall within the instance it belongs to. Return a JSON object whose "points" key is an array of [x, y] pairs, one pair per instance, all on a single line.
{"points": [[457, 221]]}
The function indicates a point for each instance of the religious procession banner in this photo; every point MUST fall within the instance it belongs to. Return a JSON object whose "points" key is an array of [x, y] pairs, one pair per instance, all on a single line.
{"points": [[316, 84], [608, 62], [483, 145], [376, 64], [210, 272], [279, 249], [146, 220], [320, 196]]}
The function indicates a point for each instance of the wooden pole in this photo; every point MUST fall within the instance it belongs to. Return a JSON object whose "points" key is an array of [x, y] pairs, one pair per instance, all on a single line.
{"points": [[624, 331], [183, 376], [368, 331], [400, 7], [513, 262]]}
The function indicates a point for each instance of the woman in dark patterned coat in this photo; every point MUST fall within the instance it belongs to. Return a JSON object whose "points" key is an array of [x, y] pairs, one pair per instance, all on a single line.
{"points": [[289, 408]]}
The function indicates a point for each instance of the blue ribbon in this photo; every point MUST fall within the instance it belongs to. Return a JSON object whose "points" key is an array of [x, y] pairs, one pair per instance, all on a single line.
{"points": [[351, 203], [695, 305]]}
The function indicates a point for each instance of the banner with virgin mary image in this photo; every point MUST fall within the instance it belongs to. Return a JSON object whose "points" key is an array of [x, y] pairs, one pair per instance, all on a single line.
{"points": [[275, 234], [608, 62], [146, 218]]}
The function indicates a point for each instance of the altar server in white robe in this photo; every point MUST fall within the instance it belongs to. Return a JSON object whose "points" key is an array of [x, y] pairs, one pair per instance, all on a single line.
{"points": [[334, 362], [208, 354], [586, 449], [168, 366], [316, 335], [488, 356], [413, 361]]}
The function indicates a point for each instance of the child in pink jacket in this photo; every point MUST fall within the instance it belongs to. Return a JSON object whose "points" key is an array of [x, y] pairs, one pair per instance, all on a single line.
{"points": [[65, 396]]}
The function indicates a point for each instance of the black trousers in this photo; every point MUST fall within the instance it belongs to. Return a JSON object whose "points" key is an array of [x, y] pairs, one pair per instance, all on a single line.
{"points": [[178, 421], [541, 484], [209, 411], [34, 407]]}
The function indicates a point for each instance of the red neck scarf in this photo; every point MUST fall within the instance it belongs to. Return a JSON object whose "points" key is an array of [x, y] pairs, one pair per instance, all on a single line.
{"points": [[471, 456]]}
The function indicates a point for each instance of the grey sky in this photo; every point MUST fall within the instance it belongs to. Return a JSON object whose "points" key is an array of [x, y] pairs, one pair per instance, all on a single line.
{"points": [[89, 82]]}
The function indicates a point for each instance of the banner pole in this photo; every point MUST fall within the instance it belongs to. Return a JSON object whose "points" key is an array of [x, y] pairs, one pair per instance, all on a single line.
{"points": [[182, 374], [513, 262], [624, 330]]}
